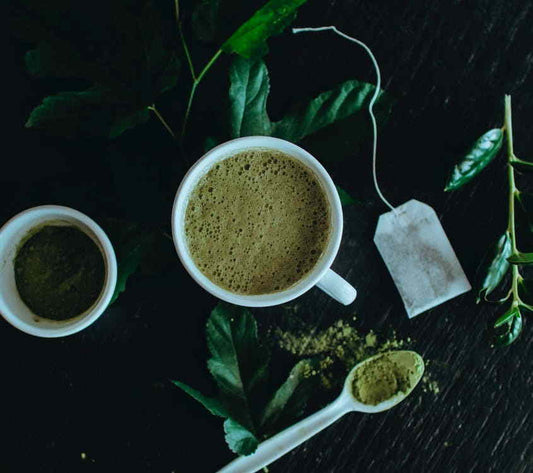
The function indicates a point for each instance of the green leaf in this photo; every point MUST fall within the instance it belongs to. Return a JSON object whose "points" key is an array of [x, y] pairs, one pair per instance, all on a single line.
{"points": [[123, 123], [239, 439], [249, 90], [248, 93], [507, 316], [521, 165], [346, 199], [213, 405], [508, 327], [480, 155], [344, 100], [271, 19], [521, 258], [498, 267], [129, 243], [67, 110], [239, 363], [289, 401]]}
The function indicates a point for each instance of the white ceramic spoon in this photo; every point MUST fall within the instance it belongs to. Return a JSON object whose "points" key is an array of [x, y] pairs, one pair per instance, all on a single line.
{"points": [[278, 445]]}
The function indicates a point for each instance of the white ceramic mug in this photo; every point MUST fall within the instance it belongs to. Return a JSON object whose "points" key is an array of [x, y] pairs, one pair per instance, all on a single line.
{"points": [[321, 275], [12, 234]]}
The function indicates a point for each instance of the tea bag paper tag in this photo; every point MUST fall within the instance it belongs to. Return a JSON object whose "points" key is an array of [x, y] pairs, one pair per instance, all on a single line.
{"points": [[419, 257]]}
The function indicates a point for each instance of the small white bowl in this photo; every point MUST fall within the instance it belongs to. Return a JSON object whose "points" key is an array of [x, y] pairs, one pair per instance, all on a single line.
{"points": [[12, 308]]}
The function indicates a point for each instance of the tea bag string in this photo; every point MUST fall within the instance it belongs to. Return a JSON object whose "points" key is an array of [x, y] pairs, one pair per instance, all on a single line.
{"points": [[370, 106]]}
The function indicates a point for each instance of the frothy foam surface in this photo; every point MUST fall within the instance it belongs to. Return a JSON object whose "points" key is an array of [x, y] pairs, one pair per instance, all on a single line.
{"points": [[257, 222]]}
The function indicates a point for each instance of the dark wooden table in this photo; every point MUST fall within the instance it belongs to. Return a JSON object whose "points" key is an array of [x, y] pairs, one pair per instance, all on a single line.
{"points": [[101, 401]]}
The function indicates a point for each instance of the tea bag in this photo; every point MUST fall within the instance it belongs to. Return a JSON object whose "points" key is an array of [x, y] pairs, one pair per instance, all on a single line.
{"points": [[410, 238], [419, 257]]}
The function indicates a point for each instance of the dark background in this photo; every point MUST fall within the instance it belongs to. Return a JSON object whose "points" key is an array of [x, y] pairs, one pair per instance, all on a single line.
{"points": [[104, 392]]}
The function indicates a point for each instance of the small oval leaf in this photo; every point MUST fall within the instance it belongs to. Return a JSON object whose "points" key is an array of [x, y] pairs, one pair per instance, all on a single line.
{"points": [[507, 316], [480, 155], [521, 258], [507, 333], [498, 267]]}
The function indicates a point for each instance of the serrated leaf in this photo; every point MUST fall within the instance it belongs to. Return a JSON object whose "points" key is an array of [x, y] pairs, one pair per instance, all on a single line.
{"points": [[248, 93], [66, 109], [521, 258], [214, 406], [239, 439], [289, 401], [239, 363], [498, 266], [250, 39], [507, 332], [480, 155], [521, 165], [346, 199]]}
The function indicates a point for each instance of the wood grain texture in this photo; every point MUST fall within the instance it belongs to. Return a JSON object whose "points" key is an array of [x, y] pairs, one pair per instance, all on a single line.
{"points": [[104, 393]]}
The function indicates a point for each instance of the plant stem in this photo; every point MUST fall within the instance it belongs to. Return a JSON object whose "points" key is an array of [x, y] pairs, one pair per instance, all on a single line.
{"points": [[187, 52], [161, 119], [209, 64], [195, 83], [513, 192]]}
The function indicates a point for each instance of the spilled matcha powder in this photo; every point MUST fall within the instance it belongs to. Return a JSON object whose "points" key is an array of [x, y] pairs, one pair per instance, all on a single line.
{"points": [[59, 272], [338, 348], [383, 377]]}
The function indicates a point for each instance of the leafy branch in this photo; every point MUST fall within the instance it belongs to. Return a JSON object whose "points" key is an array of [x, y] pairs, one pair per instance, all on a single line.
{"points": [[125, 84], [509, 325], [248, 41]]}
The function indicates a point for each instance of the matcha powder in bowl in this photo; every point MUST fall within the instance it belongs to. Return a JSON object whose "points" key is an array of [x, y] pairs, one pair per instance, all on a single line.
{"points": [[59, 272]]}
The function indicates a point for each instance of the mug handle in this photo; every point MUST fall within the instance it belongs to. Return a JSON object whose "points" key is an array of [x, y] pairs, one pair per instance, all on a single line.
{"points": [[333, 285]]}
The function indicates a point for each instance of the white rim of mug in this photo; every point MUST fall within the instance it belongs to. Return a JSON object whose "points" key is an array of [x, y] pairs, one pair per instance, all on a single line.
{"points": [[226, 150], [108, 289]]}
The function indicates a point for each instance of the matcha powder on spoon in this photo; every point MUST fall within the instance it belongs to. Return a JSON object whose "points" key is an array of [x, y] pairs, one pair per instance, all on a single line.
{"points": [[382, 378], [59, 272]]}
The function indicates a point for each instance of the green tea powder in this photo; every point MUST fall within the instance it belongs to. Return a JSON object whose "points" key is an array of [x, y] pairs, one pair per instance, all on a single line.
{"points": [[380, 379], [59, 272]]}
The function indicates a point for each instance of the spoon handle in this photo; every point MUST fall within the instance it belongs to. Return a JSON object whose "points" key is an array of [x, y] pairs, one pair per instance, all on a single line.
{"points": [[278, 445]]}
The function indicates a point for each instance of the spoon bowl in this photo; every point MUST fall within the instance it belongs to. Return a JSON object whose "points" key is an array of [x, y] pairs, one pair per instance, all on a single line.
{"points": [[410, 362]]}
